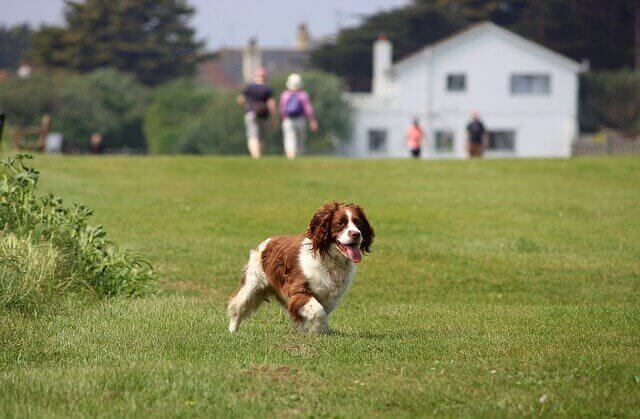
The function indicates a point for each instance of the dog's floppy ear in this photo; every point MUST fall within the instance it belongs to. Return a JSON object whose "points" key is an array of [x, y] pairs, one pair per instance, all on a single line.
{"points": [[320, 227], [365, 228]]}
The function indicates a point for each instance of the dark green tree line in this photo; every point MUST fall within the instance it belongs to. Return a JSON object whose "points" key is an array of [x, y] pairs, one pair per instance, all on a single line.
{"points": [[13, 42]]}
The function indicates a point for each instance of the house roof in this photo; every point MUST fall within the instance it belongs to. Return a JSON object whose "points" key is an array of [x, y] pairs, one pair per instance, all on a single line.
{"points": [[474, 30]]}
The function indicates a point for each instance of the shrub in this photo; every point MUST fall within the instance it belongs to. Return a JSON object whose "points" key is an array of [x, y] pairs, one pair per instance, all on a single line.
{"points": [[217, 129], [24, 101], [170, 108], [78, 112], [104, 101], [48, 249], [610, 99], [125, 99]]}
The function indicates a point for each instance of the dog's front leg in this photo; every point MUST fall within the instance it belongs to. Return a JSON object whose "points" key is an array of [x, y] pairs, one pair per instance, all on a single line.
{"points": [[315, 317]]}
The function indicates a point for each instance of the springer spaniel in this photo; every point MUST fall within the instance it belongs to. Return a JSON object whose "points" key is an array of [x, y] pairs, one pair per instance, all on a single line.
{"points": [[307, 273]]}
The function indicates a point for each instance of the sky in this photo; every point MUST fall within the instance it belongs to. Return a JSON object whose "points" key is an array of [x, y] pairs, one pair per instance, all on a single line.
{"points": [[231, 22]]}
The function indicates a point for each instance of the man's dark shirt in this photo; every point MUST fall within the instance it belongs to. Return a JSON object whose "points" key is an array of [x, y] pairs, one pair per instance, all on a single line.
{"points": [[257, 96], [476, 131]]}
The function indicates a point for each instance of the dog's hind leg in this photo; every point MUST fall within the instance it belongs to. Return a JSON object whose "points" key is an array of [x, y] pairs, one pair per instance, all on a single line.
{"points": [[252, 292]]}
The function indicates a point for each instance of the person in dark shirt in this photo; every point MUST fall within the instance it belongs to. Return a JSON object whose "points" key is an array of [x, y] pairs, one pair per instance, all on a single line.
{"points": [[477, 136], [258, 102]]}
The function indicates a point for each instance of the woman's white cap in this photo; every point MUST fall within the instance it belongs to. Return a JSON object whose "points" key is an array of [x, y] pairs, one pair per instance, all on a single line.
{"points": [[294, 82]]}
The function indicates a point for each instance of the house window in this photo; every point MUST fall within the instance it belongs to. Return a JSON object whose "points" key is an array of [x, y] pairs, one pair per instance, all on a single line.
{"points": [[457, 82], [530, 84], [444, 142], [502, 141], [377, 140]]}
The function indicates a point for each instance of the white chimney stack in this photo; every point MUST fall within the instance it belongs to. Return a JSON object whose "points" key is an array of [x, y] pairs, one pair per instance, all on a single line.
{"points": [[382, 61], [251, 60]]}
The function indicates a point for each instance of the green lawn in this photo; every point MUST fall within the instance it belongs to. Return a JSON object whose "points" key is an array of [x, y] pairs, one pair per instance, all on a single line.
{"points": [[493, 288]]}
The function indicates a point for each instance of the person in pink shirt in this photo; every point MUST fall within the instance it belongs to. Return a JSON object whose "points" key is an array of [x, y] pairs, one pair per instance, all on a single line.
{"points": [[295, 109], [415, 134]]}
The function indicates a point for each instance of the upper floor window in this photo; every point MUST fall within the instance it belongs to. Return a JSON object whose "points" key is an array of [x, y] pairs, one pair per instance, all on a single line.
{"points": [[457, 82], [377, 140], [530, 84]]}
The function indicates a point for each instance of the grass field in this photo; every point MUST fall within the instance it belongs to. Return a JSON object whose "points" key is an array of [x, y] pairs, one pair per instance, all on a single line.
{"points": [[494, 288]]}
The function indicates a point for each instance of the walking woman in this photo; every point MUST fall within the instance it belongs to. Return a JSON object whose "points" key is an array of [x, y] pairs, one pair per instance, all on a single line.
{"points": [[415, 134], [257, 99], [295, 110]]}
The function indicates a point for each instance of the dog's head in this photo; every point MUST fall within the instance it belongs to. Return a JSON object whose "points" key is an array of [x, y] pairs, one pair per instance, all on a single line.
{"points": [[341, 227]]}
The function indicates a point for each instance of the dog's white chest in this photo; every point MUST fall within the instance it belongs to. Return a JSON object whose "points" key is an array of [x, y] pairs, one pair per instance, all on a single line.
{"points": [[329, 278]]}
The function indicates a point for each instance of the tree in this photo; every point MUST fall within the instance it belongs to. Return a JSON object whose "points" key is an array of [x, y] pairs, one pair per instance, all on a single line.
{"points": [[14, 41], [637, 34], [150, 38], [122, 96]]}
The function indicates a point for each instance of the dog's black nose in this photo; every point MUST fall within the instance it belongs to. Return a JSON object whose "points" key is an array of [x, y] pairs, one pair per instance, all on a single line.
{"points": [[354, 234]]}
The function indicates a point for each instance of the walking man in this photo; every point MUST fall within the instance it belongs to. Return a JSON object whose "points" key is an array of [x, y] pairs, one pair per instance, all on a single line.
{"points": [[295, 110], [477, 135], [415, 134], [258, 102]]}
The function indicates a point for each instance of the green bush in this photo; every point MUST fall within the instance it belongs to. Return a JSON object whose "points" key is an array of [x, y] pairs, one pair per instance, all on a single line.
{"points": [[172, 105], [610, 99], [104, 101], [125, 100], [78, 112], [217, 129], [47, 249], [26, 100]]}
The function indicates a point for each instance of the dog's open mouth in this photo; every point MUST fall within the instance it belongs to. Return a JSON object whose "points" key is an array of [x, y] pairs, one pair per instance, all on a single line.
{"points": [[350, 251]]}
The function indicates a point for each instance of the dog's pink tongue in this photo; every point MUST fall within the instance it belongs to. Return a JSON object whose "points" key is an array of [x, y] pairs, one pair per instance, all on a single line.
{"points": [[354, 254]]}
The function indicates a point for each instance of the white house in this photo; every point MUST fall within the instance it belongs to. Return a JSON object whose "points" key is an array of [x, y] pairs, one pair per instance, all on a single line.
{"points": [[526, 94]]}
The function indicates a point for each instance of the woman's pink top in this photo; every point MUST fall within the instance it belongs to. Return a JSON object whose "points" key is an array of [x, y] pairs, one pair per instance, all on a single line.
{"points": [[414, 137]]}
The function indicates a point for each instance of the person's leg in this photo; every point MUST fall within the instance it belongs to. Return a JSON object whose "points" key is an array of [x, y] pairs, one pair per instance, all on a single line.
{"points": [[290, 138], [415, 153], [472, 149], [253, 135], [301, 134]]}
